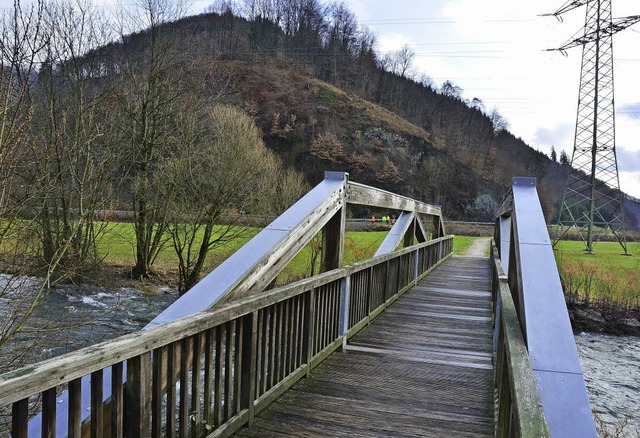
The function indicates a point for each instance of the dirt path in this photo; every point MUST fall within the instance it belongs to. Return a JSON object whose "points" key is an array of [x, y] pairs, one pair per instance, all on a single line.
{"points": [[478, 248]]}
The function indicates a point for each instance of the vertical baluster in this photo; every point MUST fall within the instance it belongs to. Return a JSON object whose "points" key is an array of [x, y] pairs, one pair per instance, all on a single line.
{"points": [[20, 418], [309, 317], [156, 394], [117, 402], [183, 409], [172, 372], [75, 415], [277, 317], [96, 404], [237, 383], [49, 413], [285, 339], [217, 403], [296, 338], [321, 310], [259, 352], [266, 351], [196, 423], [228, 371], [138, 396], [249, 344], [208, 376]]}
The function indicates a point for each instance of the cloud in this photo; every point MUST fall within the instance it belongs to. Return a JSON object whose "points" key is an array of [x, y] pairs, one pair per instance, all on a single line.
{"points": [[630, 183], [560, 136], [628, 160], [631, 110]]}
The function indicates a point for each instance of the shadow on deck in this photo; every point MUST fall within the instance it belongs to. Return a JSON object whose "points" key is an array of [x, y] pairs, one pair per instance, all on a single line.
{"points": [[422, 368]]}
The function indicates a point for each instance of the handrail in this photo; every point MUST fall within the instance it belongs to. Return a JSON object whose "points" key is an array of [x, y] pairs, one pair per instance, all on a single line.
{"points": [[519, 409], [230, 362], [524, 249], [255, 265]]}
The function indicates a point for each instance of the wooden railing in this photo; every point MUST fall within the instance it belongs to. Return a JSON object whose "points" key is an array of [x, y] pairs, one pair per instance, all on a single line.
{"points": [[208, 374], [519, 409], [531, 312]]}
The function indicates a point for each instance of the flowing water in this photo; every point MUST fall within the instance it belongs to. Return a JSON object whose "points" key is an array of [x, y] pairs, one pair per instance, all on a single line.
{"points": [[73, 317], [611, 369]]}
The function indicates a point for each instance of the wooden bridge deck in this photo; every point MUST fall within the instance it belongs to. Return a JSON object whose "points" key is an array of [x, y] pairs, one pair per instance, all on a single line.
{"points": [[422, 368]]}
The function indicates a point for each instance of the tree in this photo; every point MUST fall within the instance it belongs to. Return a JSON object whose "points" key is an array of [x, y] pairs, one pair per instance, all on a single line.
{"points": [[147, 94], [399, 62], [23, 38], [554, 155], [221, 168], [499, 122], [564, 159], [449, 89], [71, 164]]}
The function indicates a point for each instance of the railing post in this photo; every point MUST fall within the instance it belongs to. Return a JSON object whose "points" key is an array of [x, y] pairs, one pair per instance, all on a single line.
{"points": [[249, 363], [344, 309], [138, 396], [309, 317], [416, 268]]}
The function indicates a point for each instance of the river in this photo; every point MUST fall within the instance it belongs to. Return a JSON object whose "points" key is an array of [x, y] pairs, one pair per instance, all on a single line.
{"points": [[611, 369], [86, 315]]}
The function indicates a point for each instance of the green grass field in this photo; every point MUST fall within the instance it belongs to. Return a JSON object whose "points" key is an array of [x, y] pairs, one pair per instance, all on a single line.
{"points": [[605, 277], [462, 243]]}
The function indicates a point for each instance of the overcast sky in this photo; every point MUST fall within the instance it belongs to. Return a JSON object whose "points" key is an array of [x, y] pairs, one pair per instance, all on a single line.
{"points": [[494, 51]]}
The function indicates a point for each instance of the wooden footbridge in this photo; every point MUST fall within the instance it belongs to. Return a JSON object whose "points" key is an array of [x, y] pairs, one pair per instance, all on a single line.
{"points": [[413, 342]]}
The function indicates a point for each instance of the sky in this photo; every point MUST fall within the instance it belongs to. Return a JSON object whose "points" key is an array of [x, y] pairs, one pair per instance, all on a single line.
{"points": [[495, 50]]}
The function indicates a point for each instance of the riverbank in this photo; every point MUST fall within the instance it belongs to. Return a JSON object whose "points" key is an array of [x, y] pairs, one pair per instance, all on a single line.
{"points": [[609, 321]]}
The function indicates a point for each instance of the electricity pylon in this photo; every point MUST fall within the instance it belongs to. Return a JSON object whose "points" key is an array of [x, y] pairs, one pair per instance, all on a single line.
{"points": [[592, 200]]}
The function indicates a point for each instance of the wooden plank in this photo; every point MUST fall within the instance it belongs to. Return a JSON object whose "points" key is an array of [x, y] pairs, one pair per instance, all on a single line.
{"points": [[97, 418], [172, 372], [196, 366], [117, 401], [249, 361], [365, 195], [228, 378], [156, 393], [75, 416], [218, 385], [138, 396], [20, 419], [208, 376], [183, 407], [333, 240], [49, 413]]}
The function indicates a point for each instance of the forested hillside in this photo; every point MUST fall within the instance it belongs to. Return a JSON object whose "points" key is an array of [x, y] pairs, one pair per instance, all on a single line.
{"points": [[325, 99]]}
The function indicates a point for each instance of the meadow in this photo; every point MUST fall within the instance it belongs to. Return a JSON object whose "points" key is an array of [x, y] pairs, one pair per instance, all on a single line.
{"points": [[117, 246], [605, 279]]}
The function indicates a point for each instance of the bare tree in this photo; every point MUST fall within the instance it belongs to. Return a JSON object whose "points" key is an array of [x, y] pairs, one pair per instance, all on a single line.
{"points": [[22, 43], [221, 168], [499, 122], [147, 94], [72, 166]]}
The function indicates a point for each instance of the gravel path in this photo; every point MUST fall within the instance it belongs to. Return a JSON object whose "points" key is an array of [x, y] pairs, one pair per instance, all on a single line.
{"points": [[478, 248]]}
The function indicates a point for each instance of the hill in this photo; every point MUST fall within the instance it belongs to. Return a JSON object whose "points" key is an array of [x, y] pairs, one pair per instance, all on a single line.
{"points": [[323, 98], [325, 106]]}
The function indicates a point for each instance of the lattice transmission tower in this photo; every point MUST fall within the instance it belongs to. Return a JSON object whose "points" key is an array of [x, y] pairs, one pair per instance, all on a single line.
{"points": [[592, 200]]}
